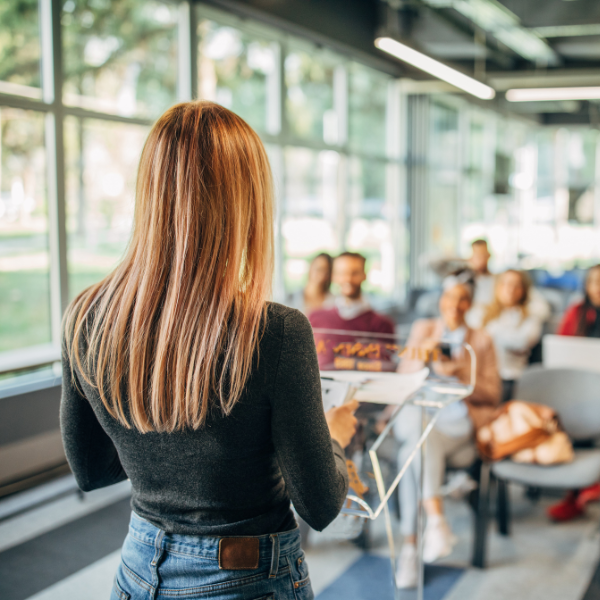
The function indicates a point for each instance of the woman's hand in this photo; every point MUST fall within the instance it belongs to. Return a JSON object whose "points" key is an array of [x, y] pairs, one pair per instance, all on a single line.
{"points": [[342, 422]]}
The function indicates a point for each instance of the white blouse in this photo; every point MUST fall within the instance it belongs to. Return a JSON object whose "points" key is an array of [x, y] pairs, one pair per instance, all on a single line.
{"points": [[514, 337]]}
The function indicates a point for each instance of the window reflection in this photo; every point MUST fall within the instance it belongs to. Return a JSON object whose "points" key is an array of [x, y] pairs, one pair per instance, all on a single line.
{"points": [[120, 57], [237, 70], [24, 257], [102, 160]]}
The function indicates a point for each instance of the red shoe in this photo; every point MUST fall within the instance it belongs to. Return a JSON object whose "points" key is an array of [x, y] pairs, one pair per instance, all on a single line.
{"points": [[566, 509], [589, 494]]}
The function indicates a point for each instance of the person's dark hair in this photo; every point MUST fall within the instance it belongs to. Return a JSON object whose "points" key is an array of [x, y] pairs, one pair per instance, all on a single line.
{"points": [[479, 242], [329, 260], [352, 255], [582, 325]]}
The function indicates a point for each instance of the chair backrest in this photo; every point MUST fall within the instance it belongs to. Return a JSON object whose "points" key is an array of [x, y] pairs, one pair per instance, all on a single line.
{"points": [[573, 394]]}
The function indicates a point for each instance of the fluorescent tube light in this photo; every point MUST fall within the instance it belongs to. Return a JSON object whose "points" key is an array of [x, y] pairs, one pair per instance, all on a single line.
{"points": [[435, 68], [547, 94]]}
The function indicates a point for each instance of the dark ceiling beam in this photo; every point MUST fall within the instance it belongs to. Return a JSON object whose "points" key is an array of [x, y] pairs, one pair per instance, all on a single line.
{"points": [[345, 26]]}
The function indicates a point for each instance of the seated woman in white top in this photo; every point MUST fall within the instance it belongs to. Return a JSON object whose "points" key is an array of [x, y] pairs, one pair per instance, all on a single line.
{"points": [[513, 328]]}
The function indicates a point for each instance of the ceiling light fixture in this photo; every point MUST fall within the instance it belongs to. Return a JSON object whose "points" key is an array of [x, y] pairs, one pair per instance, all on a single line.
{"points": [[435, 68], [549, 94]]}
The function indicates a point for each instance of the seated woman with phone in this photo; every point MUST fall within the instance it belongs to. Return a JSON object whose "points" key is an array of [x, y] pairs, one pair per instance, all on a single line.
{"points": [[179, 375], [455, 429]]}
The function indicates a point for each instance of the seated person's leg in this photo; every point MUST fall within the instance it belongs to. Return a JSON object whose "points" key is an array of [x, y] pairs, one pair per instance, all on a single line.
{"points": [[439, 540], [438, 537]]}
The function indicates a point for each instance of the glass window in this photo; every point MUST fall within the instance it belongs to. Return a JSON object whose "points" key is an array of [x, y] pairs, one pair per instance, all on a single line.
{"points": [[238, 71], [367, 103], [444, 177], [101, 166], [310, 220], [444, 142], [369, 228], [545, 164], [20, 48], [120, 56], [310, 113], [476, 145], [24, 257]]}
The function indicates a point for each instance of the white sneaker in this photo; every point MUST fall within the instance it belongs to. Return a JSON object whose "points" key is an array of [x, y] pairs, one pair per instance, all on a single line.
{"points": [[406, 569], [438, 540]]}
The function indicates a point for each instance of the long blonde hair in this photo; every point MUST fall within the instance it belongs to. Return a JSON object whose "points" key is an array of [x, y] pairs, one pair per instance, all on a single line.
{"points": [[174, 329], [494, 310]]}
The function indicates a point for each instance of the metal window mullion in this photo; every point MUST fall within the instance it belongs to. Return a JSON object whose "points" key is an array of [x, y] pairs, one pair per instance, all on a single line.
{"points": [[343, 220], [275, 93], [84, 113], [340, 103], [276, 124], [464, 135], [278, 168], [187, 53], [418, 122], [395, 191], [50, 11]]}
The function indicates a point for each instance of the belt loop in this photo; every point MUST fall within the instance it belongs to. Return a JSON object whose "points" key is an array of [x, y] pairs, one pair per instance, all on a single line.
{"points": [[274, 556], [158, 551]]}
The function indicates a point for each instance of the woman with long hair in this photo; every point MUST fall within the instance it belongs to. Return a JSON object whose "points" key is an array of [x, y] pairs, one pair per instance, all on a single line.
{"points": [[180, 375], [514, 330], [582, 319], [316, 294]]}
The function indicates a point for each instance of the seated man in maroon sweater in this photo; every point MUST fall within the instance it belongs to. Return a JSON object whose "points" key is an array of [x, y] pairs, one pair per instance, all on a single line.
{"points": [[353, 313]]}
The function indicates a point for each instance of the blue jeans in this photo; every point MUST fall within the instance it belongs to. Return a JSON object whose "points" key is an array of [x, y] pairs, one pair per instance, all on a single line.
{"points": [[156, 564]]}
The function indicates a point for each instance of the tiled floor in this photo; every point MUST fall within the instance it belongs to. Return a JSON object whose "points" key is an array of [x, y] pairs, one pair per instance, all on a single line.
{"points": [[538, 561]]}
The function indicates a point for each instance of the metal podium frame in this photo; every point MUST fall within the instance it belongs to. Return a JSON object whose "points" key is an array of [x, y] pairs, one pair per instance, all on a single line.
{"points": [[449, 393]]}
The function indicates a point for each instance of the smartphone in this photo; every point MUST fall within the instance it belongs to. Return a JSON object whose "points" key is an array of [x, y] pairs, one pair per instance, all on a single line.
{"points": [[446, 349]]}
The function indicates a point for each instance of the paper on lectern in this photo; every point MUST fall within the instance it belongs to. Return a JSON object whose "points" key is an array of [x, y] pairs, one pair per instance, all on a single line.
{"points": [[380, 388], [335, 393]]}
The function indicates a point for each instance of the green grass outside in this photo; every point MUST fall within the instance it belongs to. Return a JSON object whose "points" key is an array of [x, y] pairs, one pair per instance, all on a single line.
{"points": [[24, 309], [25, 306]]}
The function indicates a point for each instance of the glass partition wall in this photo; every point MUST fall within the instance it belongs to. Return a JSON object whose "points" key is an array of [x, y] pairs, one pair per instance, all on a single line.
{"points": [[81, 84]]}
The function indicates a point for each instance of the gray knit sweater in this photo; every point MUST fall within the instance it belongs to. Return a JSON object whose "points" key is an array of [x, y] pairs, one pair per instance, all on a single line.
{"points": [[237, 474]]}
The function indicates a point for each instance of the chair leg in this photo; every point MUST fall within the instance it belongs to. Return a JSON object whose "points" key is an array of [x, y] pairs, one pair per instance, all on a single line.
{"points": [[502, 507], [481, 518]]}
